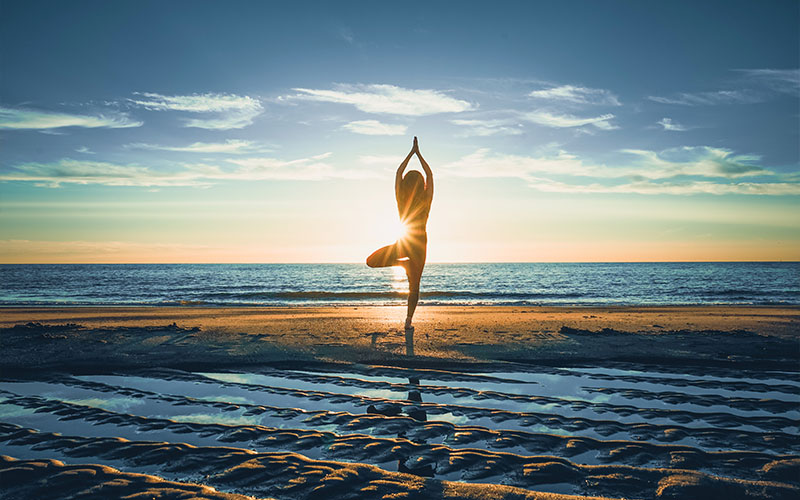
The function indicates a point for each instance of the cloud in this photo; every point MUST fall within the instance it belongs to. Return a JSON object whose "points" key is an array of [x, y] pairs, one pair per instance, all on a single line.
{"points": [[702, 161], [387, 99], [195, 103], [759, 85], [686, 170], [233, 111], [25, 119], [483, 163], [69, 171], [577, 95], [780, 80], [710, 98], [380, 160], [84, 150], [231, 146], [313, 168], [374, 127], [346, 34], [668, 124], [566, 121], [483, 128], [671, 188]]}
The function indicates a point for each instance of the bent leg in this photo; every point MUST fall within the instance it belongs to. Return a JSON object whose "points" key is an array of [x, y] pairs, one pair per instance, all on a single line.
{"points": [[384, 257]]}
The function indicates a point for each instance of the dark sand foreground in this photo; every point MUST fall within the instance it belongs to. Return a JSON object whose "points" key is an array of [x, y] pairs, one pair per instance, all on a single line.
{"points": [[484, 402]]}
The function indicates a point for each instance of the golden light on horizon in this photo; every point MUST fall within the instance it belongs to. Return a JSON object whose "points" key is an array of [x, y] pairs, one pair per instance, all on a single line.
{"points": [[399, 282]]}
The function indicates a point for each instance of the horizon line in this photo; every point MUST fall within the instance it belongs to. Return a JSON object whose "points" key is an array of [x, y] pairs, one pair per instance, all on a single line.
{"points": [[435, 262]]}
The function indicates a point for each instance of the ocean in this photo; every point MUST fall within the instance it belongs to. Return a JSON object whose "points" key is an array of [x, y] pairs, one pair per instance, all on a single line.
{"points": [[768, 283]]}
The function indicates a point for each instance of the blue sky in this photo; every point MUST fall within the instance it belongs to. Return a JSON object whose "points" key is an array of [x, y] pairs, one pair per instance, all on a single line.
{"points": [[255, 131]]}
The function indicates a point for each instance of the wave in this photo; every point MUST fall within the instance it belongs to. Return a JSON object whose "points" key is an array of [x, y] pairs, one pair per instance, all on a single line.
{"points": [[445, 284], [361, 295], [738, 292], [431, 298]]}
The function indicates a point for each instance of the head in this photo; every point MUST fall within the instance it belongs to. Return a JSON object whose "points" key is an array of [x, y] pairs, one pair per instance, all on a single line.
{"points": [[412, 185]]}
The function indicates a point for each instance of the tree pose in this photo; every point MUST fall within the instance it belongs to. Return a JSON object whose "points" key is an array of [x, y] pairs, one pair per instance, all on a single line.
{"points": [[414, 195]]}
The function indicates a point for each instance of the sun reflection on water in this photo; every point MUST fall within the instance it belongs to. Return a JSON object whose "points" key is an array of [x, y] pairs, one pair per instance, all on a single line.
{"points": [[399, 282]]}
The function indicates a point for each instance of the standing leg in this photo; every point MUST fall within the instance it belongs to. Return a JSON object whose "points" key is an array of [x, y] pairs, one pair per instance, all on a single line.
{"points": [[414, 273]]}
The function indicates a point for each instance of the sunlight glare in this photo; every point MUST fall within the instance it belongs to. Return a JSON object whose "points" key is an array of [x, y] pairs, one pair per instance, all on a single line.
{"points": [[399, 282], [400, 230], [384, 227]]}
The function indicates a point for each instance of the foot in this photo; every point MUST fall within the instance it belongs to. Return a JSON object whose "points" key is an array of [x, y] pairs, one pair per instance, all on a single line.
{"points": [[408, 325]]}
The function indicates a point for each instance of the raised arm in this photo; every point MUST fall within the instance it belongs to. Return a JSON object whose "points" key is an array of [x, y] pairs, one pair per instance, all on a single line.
{"points": [[399, 176], [428, 172]]}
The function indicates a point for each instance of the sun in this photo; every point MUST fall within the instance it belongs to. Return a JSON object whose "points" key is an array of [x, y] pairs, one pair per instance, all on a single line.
{"points": [[384, 227], [393, 231], [400, 230]]}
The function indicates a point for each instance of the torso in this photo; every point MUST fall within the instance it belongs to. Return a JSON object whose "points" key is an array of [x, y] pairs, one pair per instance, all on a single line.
{"points": [[416, 221]]}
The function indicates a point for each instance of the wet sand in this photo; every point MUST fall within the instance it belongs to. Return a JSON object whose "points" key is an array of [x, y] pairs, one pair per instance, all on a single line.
{"points": [[172, 336], [484, 402]]}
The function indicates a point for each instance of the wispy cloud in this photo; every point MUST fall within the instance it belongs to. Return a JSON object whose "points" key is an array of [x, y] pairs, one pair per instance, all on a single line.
{"points": [[231, 146], [195, 103], [374, 127], [672, 188], [305, 169], [700, 161], [483, 128], [754, 86], [687, 170], [84, 150], [232, 111], [21, 119], [668, 124], [567, 121], [69, 171], [780, 80], [388, 161], [388, 99], [346, 34], [484, 163], [577, 95], [710, 98]]}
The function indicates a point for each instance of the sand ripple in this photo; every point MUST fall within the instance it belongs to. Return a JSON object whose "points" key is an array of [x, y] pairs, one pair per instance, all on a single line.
{"points": [[364, 432], [267, 473]]}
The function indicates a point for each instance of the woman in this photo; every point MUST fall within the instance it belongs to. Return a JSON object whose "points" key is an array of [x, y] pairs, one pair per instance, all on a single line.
{"points": [[414, 195]]}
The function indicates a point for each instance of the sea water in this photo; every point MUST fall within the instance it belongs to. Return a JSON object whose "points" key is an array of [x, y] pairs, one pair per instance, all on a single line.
{"points": [[356, 284]]}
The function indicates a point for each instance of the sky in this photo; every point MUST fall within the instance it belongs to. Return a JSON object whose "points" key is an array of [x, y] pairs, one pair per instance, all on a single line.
{"points": [[270, 132]]}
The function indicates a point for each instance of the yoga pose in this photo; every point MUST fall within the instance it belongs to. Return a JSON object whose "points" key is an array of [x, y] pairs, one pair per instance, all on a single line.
{"points": [[414, 195]]}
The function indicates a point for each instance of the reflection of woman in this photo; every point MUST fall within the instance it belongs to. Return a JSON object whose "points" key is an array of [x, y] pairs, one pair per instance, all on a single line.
{"points": [[422, 466], [414, 195]]}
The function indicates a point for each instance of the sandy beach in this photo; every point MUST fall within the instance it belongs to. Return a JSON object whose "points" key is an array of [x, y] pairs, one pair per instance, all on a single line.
{"points": [[480, 402], [182, 336]]}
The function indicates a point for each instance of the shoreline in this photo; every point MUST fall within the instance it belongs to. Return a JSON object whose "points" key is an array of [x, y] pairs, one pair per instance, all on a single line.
{"points": [[204, 305], [12, 313], [80, 338]]}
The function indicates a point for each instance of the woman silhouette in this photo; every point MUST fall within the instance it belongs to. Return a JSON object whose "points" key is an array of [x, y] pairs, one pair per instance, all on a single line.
{"points": [[414, 195]]}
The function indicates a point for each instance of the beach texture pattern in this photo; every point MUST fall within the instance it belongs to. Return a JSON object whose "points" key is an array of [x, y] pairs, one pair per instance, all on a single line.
{"points": [[620, 430]]}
